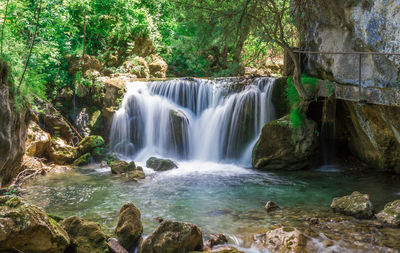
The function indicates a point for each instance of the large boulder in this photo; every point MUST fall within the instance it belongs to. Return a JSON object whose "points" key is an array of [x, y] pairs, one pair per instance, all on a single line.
{"points": [[13, 126], [285, 239], [129, 228], [390, 214], [88, 144], [83, 160], [37, 140], [76, 64], [26, 228], [86, 236], [356, 204], [179, 135], [61, 153], [121, 167], [159, 164], [172, 237], [284, 147], [138, 66]]}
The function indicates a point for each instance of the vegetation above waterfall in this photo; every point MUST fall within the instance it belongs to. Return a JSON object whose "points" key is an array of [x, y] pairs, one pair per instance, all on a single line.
{"points": [[47, 42]]}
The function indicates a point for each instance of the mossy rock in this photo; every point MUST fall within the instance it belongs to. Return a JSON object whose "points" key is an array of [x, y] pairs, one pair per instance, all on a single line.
{"points": [[86, 236], [137, 174], [88, 144], [159, 164], [120, 167], [129, 227], [96, 122], [61, 153], [356, 204], [83, 160], [98, 153], [390, 214], [27, 228]]}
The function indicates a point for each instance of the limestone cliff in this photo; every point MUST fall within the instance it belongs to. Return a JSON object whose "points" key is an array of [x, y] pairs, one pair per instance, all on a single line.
{"points": [[350, 26], [13, 125]]}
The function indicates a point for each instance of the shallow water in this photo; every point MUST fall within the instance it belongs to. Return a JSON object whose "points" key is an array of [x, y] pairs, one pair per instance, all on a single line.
{"points": [[222, 198]]}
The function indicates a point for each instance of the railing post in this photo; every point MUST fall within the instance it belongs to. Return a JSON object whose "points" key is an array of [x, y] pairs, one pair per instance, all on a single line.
{"points": [[359, 77]]}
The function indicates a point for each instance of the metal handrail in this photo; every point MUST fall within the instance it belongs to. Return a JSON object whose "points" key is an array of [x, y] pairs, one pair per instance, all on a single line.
{"points": [[360, 54]]}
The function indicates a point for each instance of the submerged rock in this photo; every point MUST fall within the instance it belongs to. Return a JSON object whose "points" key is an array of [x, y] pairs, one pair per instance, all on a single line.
{"points": [[215, 239], [137, 174], [390, 213], [228, 249], [129, 228], [285, 239], [26, 228], [271, 206], [283, 147], [159, 164], [60, 152], [86, 236], [356, 204], [37, 140], [173, 236]]}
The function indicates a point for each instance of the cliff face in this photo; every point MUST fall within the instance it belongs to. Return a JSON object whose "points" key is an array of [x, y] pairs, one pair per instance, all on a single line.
{"points": [[12, 131], [355, 25]]}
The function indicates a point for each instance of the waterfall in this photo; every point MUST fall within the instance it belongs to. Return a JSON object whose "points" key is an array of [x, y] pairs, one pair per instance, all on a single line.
{"points": [[192, 119]]}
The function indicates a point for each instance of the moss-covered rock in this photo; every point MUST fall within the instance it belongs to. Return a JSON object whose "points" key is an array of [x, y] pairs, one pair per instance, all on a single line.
{"points": [[159, 164], [158, 67], [61, 153], [88, 144], [390, 214], [120, 167], [98, 153], [284, 147], [172, 236], [27, 228], [83, 160], [85, 235], [356, 204], [129, 228], [137, 174]]}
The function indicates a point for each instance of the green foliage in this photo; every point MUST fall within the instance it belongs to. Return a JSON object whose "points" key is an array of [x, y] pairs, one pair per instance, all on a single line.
{"points": [[11, 191], [292, 96]]}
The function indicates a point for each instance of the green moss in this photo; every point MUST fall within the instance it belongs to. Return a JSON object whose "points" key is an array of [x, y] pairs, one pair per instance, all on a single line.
{"points": [[98, 153], [83, 160], [89, 143]]}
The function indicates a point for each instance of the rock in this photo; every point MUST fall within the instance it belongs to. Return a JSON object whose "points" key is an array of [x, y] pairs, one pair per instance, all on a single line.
{"points": [[137, 174], [179, 132], [282, 147], [390, 214], [129, 228], [173, 236], [115, 247], [96, 122], [356, 204], [215, 239], [159, 219], [89, 63], [82, 122], [271, 206], [37, 140], [13, 126], [158, 67], [86, 236], [228, 249], [88, 144], [60, 152], [159, 164], [120, 167], [98, 153], [285, 239], [114, 90], [28, 229], [372, 133], [138, 66], [83, 160], [356, 26]]}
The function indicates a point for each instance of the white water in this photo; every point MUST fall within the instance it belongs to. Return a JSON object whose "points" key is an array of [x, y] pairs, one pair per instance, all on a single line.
{"points": [[192, 120]]}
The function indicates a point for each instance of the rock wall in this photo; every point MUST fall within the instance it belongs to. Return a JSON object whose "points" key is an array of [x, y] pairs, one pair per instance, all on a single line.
{"points": [[13, 126], [350, 26], [372, 134]]}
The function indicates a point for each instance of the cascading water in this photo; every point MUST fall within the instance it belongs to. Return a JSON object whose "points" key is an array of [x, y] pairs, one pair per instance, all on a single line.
{"points": [[192, 119]]}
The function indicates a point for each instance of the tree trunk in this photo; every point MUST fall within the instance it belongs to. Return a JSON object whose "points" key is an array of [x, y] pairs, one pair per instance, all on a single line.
{"points": [[4, 25]]}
